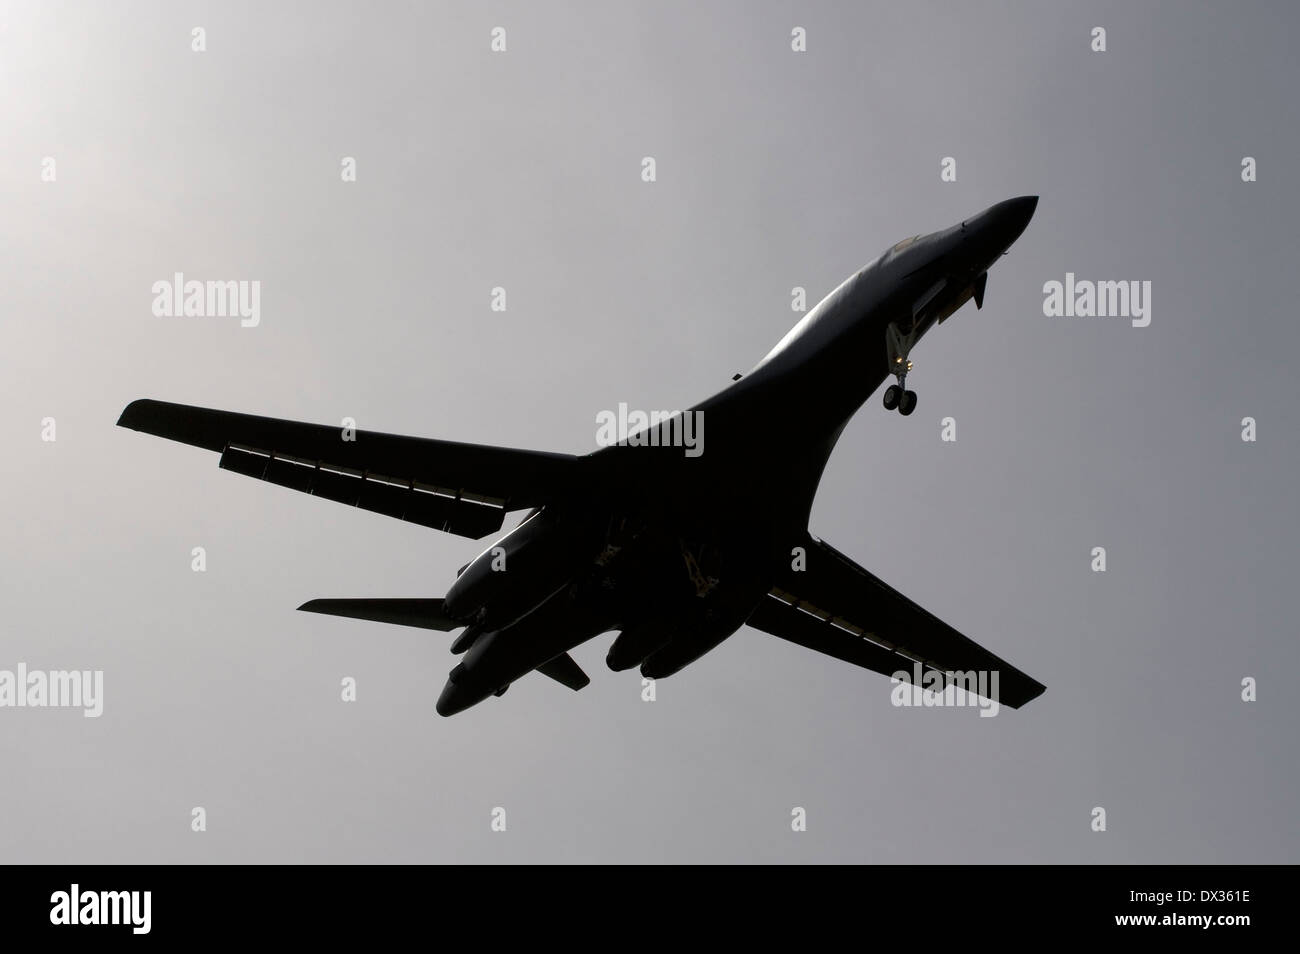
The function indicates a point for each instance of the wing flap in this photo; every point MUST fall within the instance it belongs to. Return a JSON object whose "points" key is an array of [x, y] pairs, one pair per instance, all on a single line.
{"points": [[369, 492], [464, 489], [779, 618], [838, 608]]}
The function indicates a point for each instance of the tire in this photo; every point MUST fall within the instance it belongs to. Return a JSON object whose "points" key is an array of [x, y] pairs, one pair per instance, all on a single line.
{"points": [[908, 403], [893, 394]]}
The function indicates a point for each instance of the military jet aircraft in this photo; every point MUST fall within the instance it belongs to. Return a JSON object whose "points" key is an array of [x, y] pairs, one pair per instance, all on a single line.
{"points": [[673, 550]]}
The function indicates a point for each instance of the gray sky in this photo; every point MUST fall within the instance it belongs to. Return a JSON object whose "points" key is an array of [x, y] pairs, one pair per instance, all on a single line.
{"points": [[775, 169]]}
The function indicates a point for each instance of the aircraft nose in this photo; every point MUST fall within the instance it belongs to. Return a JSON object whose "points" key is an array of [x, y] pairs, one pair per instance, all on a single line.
{"points": [[1000, 225], [1017, 212]]}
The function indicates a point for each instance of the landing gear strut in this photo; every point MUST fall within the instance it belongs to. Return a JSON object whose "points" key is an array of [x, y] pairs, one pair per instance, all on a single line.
{"points": [[897, 347]]}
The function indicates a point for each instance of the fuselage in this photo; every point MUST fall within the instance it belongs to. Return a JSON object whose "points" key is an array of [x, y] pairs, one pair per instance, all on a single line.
{"points": [[674, 550]]}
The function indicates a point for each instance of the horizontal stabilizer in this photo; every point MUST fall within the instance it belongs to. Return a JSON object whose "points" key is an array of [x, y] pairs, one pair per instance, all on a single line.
{"points": [[980, 283], [426, 614], [564, 670]]}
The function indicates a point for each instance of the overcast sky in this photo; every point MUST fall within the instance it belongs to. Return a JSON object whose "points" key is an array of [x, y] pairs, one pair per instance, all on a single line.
{"points": [[775, 169]]}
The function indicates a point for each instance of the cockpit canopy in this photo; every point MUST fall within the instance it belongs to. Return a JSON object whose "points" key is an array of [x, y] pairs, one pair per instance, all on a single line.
{"points": [[902, 245]]}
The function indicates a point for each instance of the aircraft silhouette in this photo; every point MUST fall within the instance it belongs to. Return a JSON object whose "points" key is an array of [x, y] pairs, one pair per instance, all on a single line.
{"points": [[675, 550]]}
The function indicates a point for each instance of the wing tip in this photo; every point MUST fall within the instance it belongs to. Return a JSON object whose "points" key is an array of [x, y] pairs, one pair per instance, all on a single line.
{"points": [[1032, 692], [133, 414]]}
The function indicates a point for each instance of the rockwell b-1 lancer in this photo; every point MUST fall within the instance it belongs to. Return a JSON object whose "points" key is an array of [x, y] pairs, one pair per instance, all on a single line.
{"points": [[675, 551]]}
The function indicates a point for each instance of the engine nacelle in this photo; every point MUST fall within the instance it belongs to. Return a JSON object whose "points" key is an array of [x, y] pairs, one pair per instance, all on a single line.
{"points": [[706, 624], [687, 645], [637, 642], [466, 639], [518, 571], [498, 658]]}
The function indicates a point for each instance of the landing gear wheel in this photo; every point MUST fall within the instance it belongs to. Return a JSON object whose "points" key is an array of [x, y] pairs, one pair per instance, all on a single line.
{"points": [[908, 404], [892, 395]]}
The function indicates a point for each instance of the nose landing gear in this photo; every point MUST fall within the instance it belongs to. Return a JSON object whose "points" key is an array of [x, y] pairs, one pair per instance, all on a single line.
{"points": [[897, 347]]}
